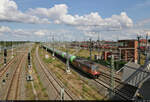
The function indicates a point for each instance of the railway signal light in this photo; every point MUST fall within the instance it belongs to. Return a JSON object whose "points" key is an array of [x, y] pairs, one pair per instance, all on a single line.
{"points": [[29, 78], [29, 60], [7, 74], [5, 55], [3, 81], [5, 52]]}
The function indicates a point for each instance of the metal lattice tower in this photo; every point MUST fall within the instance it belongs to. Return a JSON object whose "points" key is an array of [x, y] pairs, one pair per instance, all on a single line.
{"points": [[98, 46], [112, 82]]}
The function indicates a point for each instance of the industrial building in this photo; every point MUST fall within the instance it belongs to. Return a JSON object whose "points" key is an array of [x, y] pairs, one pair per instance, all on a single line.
{"points": [[125, 50]]}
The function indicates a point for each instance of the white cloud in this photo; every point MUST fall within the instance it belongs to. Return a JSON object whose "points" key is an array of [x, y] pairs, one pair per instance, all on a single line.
{"points": [[59, 15], [64, 34], [41, 32], [4, 29], [9, 12], [34, 34], [53, 13]]}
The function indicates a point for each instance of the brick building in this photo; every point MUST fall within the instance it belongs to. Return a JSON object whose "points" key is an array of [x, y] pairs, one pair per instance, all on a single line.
{"points": [[128, 50]]}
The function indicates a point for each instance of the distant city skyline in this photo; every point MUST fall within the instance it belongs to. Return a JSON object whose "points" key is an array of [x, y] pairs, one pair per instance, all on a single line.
{"points": [[38, 20]]}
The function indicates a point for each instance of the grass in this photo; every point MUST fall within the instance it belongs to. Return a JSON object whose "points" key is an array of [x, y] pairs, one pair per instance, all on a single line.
{"points": [[142, 60], [66, 84], [41, 91], [29, 93], [48, 60]]}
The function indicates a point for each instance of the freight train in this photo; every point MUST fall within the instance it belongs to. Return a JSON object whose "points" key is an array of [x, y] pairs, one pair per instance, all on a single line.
{"points": [[84, 65]]}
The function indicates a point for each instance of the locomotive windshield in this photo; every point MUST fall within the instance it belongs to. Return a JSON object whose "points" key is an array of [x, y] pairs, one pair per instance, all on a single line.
{"points": [[94, 67]]}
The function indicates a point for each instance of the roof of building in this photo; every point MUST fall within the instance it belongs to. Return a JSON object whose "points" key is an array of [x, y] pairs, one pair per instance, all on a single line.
{"points": [[132, 65]]}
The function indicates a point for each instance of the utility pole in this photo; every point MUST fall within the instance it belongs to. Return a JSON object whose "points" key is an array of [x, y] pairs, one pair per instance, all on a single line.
{"points": [[146, 44], [53, 46], [62, 94], [46, 55], [49, 41], [138, 37], [5, 53], [0, 48], [79, 44], [112, 82], [46, 44], [98, 47], [67, 62], [12, 49], [90, 49]]}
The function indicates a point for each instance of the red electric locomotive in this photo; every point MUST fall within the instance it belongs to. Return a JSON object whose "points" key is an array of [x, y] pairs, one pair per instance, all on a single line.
{"points": [[87, 67]]}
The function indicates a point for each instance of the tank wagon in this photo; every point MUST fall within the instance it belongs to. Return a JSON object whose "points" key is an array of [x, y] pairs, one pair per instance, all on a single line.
{"points": [[84, 65]]}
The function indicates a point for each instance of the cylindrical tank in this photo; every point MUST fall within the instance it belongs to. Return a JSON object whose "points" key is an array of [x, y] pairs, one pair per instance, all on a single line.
{"points": [[62, 54]]}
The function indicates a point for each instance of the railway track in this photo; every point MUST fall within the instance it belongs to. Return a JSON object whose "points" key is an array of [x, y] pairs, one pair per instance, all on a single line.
{"points": [[56, 84], [104, 81], [122, 90], [13, 87], [108, 76], [4, 68]]}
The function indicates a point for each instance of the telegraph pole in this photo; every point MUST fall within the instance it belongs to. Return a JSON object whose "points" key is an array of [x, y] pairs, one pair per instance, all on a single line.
{"points": [[112, 82]]}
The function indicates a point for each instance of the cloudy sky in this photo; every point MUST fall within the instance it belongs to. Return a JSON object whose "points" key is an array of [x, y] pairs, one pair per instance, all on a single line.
{"points": [[73, 19]]}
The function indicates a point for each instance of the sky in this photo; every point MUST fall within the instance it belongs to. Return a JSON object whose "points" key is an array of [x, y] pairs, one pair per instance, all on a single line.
{"points": [[39, 20]]}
